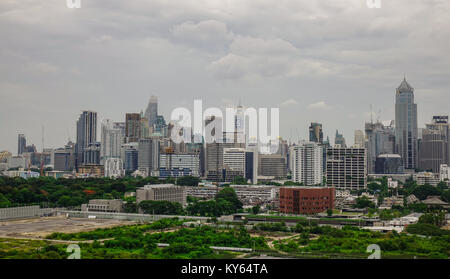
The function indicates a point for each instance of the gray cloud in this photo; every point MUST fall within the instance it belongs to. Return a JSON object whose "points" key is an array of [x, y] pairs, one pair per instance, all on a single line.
{"points": [[110, 56]]}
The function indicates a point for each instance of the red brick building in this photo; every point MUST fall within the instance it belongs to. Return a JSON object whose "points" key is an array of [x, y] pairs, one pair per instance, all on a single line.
{"points": [[306, 200]]}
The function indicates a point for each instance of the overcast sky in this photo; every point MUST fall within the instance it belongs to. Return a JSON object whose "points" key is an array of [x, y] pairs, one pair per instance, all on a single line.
{"points": [[325, 61]]}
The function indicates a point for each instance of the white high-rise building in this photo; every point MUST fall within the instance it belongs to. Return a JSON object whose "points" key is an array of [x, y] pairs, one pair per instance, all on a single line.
{"points": [[360, 139], [306, 162], [111, 141], [234, 159], [179, 164], [444, 173], [114, 168], [347, 168]]}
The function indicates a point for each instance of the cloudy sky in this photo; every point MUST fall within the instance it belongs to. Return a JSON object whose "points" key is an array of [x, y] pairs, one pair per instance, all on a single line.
{"points": [[323, 60]]}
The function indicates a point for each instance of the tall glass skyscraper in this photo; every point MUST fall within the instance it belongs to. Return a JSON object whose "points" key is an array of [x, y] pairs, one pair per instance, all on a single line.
{"points": [[151, 113], [316, 133], [406, 125], [21, 144], [86, 134]]}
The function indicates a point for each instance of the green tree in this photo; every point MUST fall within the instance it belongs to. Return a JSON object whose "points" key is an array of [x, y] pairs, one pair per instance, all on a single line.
{"points": [[188, 181], [161, 207], [256, 209], [364, 202], [239, 180], [229, 195]]}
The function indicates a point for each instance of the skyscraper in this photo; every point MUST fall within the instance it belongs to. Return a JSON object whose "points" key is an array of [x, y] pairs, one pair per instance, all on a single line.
{"points": [[63, 158], [132, 127], [151, 113], [316, 133], [306, 162], [234, 162], [21, 144], [340, 140], [346, 168], [148, 156], [406, 125], [86, 134], [360, 139], [380, 140], [434, 146], [111, 141]]}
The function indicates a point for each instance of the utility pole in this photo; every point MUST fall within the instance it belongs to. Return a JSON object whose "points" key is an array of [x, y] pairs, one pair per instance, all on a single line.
{"points": [[42, 154]]}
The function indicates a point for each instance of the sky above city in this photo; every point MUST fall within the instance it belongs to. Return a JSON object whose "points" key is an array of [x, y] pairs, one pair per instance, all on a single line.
{"points": [[322, 61]]}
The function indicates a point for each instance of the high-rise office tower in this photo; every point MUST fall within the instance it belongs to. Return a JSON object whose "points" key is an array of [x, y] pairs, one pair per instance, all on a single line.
{"points": [[121, 127], [214, 149], [234, 163], [272, 165], [148, 156], [434, 146], [63, 158], [340, 140], [114, 168], [380, 140], [316, 133], [347, 168], [306, 162], [129, 155], [21, 144], [160, 126], [86, 135], [132, 127], [145, 128], [360, 138], [111, 141], [151, 113], [406, 125], [91, 154]]}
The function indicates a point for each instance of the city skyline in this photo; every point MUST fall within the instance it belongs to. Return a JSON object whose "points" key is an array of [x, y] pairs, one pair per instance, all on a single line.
{"points": [[315, 74]]}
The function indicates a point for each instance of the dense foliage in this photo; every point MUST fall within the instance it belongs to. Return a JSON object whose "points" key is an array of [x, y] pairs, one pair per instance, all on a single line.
{"points": [[63, 192], [353, 242], [161, 207], [226, 202]]}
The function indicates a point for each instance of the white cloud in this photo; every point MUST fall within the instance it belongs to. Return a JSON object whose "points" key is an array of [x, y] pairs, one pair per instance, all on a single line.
{"points": [[207, 34], [319, 106], [113, 53], [289, 102]]}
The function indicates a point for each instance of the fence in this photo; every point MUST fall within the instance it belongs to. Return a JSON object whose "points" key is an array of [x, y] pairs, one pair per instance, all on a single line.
{"points": [[24, 212]]}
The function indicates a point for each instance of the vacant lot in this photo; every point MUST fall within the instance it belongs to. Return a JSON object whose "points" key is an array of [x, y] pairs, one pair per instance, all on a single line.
{"points": [[37, 228]]}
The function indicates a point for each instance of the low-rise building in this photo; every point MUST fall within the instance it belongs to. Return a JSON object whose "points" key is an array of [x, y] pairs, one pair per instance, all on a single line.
{"points": [[91, 170], [103, 205], [247, 194], [162, 192], [306, 200], [429, 178], [22, 173], [388, 202]]}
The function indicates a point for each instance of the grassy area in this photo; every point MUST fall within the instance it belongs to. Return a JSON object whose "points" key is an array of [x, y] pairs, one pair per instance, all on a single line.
{"points": [[299, 218]]}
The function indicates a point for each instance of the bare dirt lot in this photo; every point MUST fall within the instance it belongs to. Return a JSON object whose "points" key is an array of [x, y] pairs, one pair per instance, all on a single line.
{"points": [[40, 227]]}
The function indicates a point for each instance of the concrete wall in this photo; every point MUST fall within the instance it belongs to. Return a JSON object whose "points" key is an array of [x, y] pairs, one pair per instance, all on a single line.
{"points": [[127, 216], [23, 212]]}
